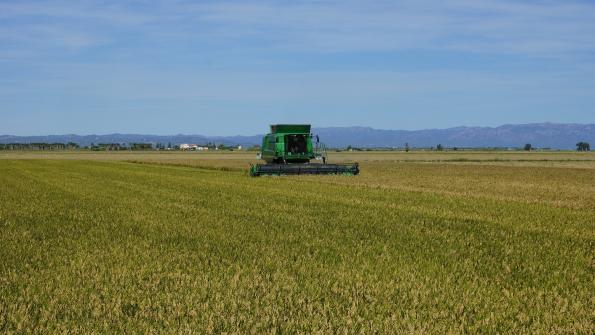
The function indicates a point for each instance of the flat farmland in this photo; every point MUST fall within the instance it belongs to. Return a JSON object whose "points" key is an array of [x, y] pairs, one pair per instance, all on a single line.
{"points": [[419, 242]]}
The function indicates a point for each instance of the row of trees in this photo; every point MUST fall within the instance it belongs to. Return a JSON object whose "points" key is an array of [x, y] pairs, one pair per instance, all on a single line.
{"points": [[120, 146], [583, 146], [39, 146], [72, 146], [580, 146], [104, 146]]}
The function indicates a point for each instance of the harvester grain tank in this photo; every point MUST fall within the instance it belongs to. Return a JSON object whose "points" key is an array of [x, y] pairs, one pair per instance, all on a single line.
{"points": [[289, 149]]}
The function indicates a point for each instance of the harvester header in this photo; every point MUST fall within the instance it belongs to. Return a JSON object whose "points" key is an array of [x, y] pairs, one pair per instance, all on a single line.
{"points": [[289, 149]]}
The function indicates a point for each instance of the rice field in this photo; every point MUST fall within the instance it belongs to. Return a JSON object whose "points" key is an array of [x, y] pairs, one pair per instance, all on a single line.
{"points": [[419, 242]]}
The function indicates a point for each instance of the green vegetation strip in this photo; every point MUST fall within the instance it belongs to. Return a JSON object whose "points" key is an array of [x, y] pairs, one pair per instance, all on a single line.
{"points": [[136, 248]]}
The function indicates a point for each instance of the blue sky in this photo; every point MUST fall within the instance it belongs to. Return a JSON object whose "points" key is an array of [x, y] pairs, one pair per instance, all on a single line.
{"points": [[233, 67]]}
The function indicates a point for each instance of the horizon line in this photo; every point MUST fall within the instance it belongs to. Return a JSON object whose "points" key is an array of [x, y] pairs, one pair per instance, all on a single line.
{"points": [[326, 127]]}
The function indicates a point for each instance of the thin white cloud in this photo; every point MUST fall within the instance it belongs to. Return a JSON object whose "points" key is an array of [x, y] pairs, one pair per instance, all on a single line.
{"points": [[480, 25], [543, 28]]}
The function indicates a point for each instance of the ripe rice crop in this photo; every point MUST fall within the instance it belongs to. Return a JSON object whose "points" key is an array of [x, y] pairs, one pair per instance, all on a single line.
{"points": [[105, 245]]}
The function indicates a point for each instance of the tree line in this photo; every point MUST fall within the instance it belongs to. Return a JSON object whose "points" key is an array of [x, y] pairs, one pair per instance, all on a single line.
{"points": [[580, 146], [583, 146], [103, 146], [39, 146], [73, 146]]}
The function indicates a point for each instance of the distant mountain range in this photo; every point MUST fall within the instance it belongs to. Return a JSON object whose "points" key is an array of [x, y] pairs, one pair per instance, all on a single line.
{"points": [[539, 135]]}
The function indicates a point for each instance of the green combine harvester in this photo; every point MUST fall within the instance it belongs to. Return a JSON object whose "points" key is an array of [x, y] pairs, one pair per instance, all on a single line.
{"points": [[288, 150]]}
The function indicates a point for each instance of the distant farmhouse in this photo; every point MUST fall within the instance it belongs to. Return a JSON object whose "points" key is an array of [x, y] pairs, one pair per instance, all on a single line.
{"points": [[185, 146]]}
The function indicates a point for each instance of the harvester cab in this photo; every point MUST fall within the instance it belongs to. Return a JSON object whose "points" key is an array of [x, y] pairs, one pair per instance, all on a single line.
{"points": [[288, 150]]}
